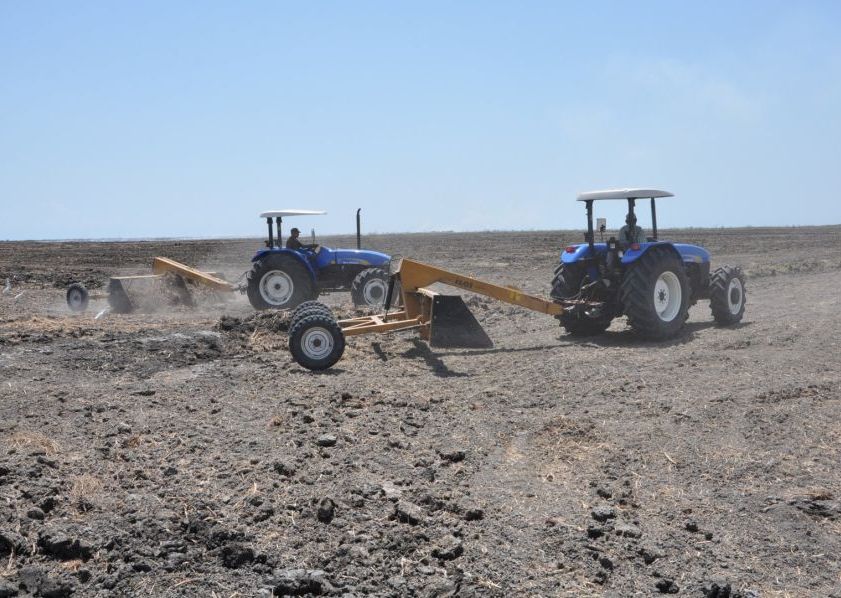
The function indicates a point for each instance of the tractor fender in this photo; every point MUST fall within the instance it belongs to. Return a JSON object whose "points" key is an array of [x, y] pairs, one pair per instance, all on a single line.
{"points": [[632, 255], [301, 257], [579, 252]]}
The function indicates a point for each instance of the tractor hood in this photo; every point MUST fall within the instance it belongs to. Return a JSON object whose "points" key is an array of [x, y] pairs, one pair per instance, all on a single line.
{"points": [[363, 257]]}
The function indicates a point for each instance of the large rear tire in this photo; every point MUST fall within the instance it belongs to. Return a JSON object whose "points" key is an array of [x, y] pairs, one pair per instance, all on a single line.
{"points": [[369, 288], [316, 341], [727, 295], [655, 294], [279, 282]]}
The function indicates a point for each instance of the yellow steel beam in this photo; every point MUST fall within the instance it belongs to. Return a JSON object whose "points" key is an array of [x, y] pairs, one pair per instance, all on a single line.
{"points": [[414, 276], [359, 326], [162, 265]]}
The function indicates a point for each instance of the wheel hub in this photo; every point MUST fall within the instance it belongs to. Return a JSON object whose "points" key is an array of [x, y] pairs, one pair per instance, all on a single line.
{"points": [[735, 296], [374, 292], [667, 296], [276, 287], [317, 343]]}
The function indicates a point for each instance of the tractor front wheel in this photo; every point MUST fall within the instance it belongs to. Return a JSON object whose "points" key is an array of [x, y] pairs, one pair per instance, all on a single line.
{"points": [[655, 294], [316, 341], [369, 288], [279, 282], [727, 295]]}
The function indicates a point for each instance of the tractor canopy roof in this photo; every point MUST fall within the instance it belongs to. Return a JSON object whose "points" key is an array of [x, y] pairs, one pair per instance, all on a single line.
{"points": [[623, 194], [285, 213]]}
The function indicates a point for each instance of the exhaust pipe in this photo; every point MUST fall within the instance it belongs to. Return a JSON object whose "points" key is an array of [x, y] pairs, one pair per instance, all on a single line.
{"points": [[358, 230]]}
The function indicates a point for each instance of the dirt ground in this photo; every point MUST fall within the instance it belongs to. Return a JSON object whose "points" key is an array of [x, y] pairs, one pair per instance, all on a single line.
{"points": [[181, 452]]}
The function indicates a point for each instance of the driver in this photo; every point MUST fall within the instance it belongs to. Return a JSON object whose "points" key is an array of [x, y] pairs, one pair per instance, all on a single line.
{"points": [[630, 233], [294, 243]]}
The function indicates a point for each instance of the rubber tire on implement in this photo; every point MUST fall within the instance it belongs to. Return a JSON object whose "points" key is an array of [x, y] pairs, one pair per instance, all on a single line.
{"points": [[316, 341], [77, 297], [307, 308], [637, 293], [565, 284], [721, 295], [302, 284], [362, 280]]}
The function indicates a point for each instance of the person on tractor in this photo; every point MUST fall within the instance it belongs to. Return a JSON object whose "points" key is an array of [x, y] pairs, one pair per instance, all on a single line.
{"points": [[294, 243], [631, 233]]}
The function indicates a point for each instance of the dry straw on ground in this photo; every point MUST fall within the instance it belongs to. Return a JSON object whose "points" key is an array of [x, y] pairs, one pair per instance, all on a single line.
{"points": [[28, 439]]}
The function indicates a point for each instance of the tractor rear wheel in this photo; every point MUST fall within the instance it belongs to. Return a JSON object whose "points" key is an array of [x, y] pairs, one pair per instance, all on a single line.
{"points": [[655, 294], [316, 341], [727, 295], [279, 282], [369, 288], [77, 297]]}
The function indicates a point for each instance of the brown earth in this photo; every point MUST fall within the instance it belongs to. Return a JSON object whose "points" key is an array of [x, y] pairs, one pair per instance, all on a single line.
{"points": [[182, 452]]}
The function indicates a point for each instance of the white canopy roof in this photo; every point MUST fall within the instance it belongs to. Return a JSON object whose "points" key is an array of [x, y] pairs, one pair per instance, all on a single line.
{"points": [[285, 213], [623, 194]]}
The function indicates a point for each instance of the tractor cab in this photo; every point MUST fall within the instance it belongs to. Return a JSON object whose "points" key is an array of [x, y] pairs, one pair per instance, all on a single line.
{"points": [[274, 218]]}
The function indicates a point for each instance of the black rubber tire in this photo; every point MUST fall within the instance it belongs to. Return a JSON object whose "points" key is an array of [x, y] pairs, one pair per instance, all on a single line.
{"points": [[303, 288], [566, 282], [637, 294], [77, 297], [364, 295], [722, 295], [316, 341], [583, 325], [307, 308]]}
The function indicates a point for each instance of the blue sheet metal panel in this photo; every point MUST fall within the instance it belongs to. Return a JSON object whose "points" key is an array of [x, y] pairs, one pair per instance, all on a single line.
{"points": [[363, 257]]}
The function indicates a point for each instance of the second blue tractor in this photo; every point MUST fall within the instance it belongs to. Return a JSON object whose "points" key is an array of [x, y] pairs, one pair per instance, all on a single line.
{"points": [[650, 281], [283, 278]]}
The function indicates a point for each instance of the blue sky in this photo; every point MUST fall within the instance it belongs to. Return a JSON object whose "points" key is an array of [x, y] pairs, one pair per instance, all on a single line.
{"points": [[155, 119]]}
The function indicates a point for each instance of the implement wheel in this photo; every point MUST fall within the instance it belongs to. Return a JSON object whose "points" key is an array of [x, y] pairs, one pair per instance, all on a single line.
{"points": [[655, 294], [369, 288], [727, 295], [308, 308], [77, 297], [279, 282], [316, 341]]}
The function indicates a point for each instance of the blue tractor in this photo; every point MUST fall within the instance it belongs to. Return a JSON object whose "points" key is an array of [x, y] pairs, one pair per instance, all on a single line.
{"points": [[650, 281], [283, 277]]}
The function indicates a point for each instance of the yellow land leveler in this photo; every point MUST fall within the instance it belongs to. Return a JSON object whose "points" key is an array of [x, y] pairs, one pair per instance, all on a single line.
{"points": [[317, 339], [169, 278]]}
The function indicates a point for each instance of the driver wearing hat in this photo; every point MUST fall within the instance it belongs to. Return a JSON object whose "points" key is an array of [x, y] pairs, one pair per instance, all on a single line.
{"points": [[294, 243]]}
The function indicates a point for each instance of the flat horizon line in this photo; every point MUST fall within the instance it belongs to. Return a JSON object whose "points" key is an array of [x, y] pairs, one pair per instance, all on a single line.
{"points": [[431, 232]]}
